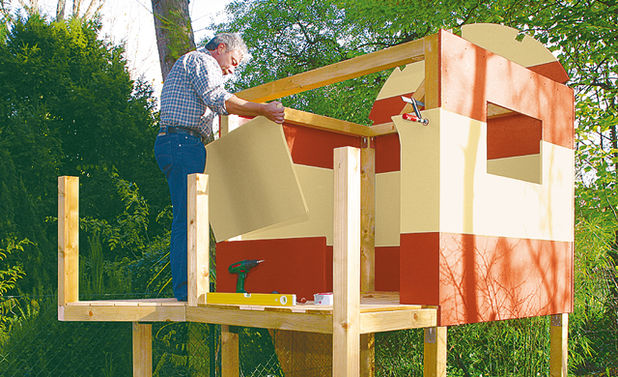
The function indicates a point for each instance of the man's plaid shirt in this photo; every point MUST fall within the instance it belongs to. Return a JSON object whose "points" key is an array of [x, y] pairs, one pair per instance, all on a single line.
{"points": [[193, 93]]}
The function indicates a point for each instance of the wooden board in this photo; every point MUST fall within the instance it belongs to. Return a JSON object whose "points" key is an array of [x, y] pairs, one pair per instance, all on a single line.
{"points": [[320, 122], [434, 358], [230, 365], [559, 354], [252, 183], [346, 263], [198, 264], [123, 311], [68, 239], [142, 349], [359, 66]]}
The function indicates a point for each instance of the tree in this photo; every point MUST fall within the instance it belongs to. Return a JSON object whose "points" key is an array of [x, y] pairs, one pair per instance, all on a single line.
{"points": [[69, 107], [173, 30], [84, 10]]}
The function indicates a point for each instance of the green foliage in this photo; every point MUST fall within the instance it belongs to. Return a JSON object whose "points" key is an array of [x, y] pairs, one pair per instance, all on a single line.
{"points": [[40, 345], [10, 274], [69, 107]]}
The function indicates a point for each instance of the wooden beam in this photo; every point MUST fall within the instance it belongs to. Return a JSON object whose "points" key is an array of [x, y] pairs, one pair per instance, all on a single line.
{"points": [[495, 111], [383, 129], [558, 355], [391, 57], [142, 350], [434, 358], [368, 173], [367, 355], [68, 240], [432, 71], [230, 366], [82, 311], [346, 263], [372, 322], [320, 122], [269, 319], [198, 265]]}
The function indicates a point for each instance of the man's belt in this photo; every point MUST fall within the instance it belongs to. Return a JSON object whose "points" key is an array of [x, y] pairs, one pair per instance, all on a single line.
{"points": [[181, 130]]}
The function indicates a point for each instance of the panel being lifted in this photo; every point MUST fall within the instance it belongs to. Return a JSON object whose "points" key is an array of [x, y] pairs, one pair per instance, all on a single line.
{"points": [[252, 183]]}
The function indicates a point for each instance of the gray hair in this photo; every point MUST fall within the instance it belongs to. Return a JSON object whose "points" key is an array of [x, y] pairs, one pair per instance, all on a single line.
{"points": [[232, 41]]}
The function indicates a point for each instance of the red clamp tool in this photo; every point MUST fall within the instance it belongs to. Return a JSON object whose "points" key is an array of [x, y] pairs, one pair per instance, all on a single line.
{"points": [[416, 116]]}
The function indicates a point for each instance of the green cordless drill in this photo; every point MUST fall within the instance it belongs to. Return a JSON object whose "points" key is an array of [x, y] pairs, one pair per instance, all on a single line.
{"points": [[242, 269]]}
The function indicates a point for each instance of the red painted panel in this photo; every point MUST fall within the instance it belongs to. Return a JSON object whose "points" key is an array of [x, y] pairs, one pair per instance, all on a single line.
{"points": [[419, 275], [383, 109], [313, 147], [302, 266], [553, 70], [513, 135], [387, 153], [472, 76], [483, 278], [387, 268]]}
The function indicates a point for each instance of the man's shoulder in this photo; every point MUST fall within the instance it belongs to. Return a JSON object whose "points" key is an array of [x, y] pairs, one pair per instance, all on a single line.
{"points": [[200, 54]]}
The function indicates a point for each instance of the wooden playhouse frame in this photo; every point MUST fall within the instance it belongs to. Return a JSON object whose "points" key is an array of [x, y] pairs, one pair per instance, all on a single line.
{"points": [[354, 317]]}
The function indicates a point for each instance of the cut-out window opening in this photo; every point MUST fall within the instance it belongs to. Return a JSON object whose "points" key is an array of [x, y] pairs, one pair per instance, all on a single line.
{"points": [[513, 144]]}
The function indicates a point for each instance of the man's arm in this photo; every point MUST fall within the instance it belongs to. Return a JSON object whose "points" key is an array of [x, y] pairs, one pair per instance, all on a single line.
{"points": [[273, 110]]}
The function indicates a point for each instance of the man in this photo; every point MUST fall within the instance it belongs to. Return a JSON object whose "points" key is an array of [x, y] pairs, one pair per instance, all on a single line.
{"points": [[192, 96]]}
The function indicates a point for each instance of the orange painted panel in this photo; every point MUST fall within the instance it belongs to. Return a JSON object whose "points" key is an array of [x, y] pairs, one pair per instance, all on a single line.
{"points": [[482, 278], [383, 109], [313, 147], [387, 268], [553, 70], [302, 266], [472, 76], [387, 153], [419, 273], [513, 135]]}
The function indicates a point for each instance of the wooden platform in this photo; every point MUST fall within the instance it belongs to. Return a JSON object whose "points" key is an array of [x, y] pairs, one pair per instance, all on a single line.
{"points": [[379, 311]]}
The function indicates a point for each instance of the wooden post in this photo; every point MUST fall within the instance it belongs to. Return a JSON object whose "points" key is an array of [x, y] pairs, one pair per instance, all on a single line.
{"points": [[558, 355], [368, 174], [346, 263], [198, 268], [68, 240], [142, 350], [434, 358], [228, 123], [432, 71], [230, 366]]}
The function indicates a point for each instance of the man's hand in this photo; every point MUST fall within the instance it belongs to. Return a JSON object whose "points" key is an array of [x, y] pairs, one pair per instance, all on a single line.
{"points": [[274, 111]]}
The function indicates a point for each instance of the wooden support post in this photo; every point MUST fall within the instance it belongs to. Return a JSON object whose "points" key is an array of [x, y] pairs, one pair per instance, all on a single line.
{"points": [[198, 268], [432, 71], [68, 240], [230, 366], [368, 174], [434, 359], [142, 349], [558, 355], [346, 263]]}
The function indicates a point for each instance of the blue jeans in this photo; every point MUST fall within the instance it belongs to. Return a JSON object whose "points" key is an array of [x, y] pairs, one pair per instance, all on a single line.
{"points": [[179, 155]]}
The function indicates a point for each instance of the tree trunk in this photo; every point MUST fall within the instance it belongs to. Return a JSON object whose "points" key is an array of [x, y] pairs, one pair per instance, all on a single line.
{"points": [[60, 10], [173, 31]]}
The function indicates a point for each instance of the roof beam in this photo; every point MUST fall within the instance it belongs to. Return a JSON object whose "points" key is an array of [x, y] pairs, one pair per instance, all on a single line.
{"points": [[391, 57]]}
